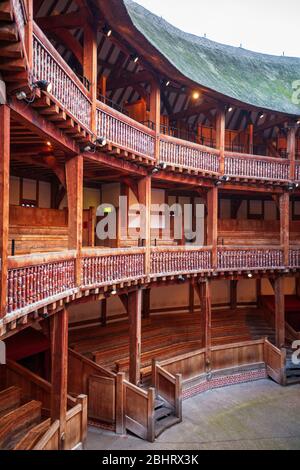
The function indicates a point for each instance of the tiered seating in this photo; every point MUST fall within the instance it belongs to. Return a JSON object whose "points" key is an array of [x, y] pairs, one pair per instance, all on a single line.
{"points": [[34, 239], [163, 336], [21, 425]]}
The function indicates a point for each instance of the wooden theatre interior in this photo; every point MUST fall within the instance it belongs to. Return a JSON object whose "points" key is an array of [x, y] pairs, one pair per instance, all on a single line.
{"points": [[100, 100]]}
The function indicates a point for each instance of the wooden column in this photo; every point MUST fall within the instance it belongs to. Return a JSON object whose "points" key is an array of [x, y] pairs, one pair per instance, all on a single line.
{"points": [[233, 294], [90, 67], [135, 330], [59, 369], [144, 190], [258, 292], [4, 202], [146, 303], [212, 223], [74, 180], [279, 312], [220, 136], [192, 296], [284, 207], [155, 113], [291, 149], [251, 135], [28, 33], [103, 311], [205, 305]]}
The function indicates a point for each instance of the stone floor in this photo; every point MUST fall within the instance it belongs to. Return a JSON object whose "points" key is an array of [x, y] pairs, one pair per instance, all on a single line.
{"points": [[257, 415]]}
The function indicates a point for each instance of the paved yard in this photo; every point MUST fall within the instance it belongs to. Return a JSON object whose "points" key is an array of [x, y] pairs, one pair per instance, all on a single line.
{"points": [[257, 415]]}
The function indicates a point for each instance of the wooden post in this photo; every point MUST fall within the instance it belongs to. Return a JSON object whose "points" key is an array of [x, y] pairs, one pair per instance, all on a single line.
{"points": [[146, 303], [90, 68], [135, 327], [144, 190], [4, 202], [220, 136], [251, 135], [103, 312], [29, 34], [284, 207], [205, 305], [74, 180], [297, 281], [279, 312], [291, 149], [155, 113], [258, 292], [83, 401], [59, 369], [212, 224], [120, 427], [192, 296], [233, 294]]}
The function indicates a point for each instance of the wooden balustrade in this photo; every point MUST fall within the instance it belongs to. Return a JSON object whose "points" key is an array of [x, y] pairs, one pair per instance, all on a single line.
{"points": [[34, 279], [101, 267], [20, 13], [177, 260], [124, 131], [177, 152], [294, 258], [251, 258], [275, 360], [256, 167], [297, 171], [66, 86], [169, 387]]}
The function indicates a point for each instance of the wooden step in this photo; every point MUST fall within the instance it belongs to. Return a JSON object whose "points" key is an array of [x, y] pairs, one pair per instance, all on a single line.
{"points": [[32, 437], [6, 13], [10, 399], [165, 424], [8, 32], [161, 413], [14, 424]]}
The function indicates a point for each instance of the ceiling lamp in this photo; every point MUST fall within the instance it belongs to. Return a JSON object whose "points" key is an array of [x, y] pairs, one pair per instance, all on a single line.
{"points": [[196, 95], [261, 115], [134, 58], [43, 85], [107, 30]]}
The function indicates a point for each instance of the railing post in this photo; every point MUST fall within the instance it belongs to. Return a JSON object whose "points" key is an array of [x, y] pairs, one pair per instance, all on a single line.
{"points": [[120, 428], [284, 207], [83, 400], [4, 203], [153, 376], [220, 136], [151, 403], [144, 192], [178, 396], [74, 183]]}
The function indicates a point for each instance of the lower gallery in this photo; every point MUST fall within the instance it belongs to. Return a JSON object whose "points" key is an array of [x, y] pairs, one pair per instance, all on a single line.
{"points": [[149, 227]]}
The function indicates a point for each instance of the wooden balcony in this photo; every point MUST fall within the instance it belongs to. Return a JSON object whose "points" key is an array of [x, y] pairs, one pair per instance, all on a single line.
{"points": [[40, 281]]}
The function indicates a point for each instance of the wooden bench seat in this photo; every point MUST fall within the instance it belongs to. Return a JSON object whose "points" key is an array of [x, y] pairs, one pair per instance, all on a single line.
{"points": [[34, 239], [32, 437], [10, 399], [18, 422]]}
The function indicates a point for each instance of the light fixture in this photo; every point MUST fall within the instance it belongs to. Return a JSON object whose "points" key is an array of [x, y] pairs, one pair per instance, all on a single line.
{"points": [[250, 275], [162, 166], [292, 186], [107, 30], [181, 279], [230, 109], [225, 178], [48, 143], [134, 58], [298, 122], [155, 170], [21, 95], [87, 148], [113, 292], [43, 85], [261, 115], [196, 95], [159, 167], [183, 88], [101, 141]]}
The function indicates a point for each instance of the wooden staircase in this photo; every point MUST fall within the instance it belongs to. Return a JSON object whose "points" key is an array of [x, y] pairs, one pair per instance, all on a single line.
{"points": [[164, 417], [13, 60], [21, 424], [292, 370]]}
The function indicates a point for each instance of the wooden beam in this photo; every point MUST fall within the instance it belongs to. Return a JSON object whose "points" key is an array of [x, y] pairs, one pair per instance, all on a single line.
{"points": [[135, 327], [212, 223], [233, 294], [220, 136], [258, 292], [144, 188], [284, 207], [204, 290], [279, 312], [90, 68], [64, 36], [155, 113], [74, 179], [59, 370], [146, 303], [71, 20], [4, 202]]}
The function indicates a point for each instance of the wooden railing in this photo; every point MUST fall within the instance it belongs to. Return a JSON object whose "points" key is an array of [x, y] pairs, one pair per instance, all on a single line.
{"points": [[169, 387], [34, 279], [249, 258], [66, 86], [275, 360], [20, 13], [256, 167], [297, 171], [294, 258], [177, 260], [101, 267], [124, 131], [180, 153]]}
